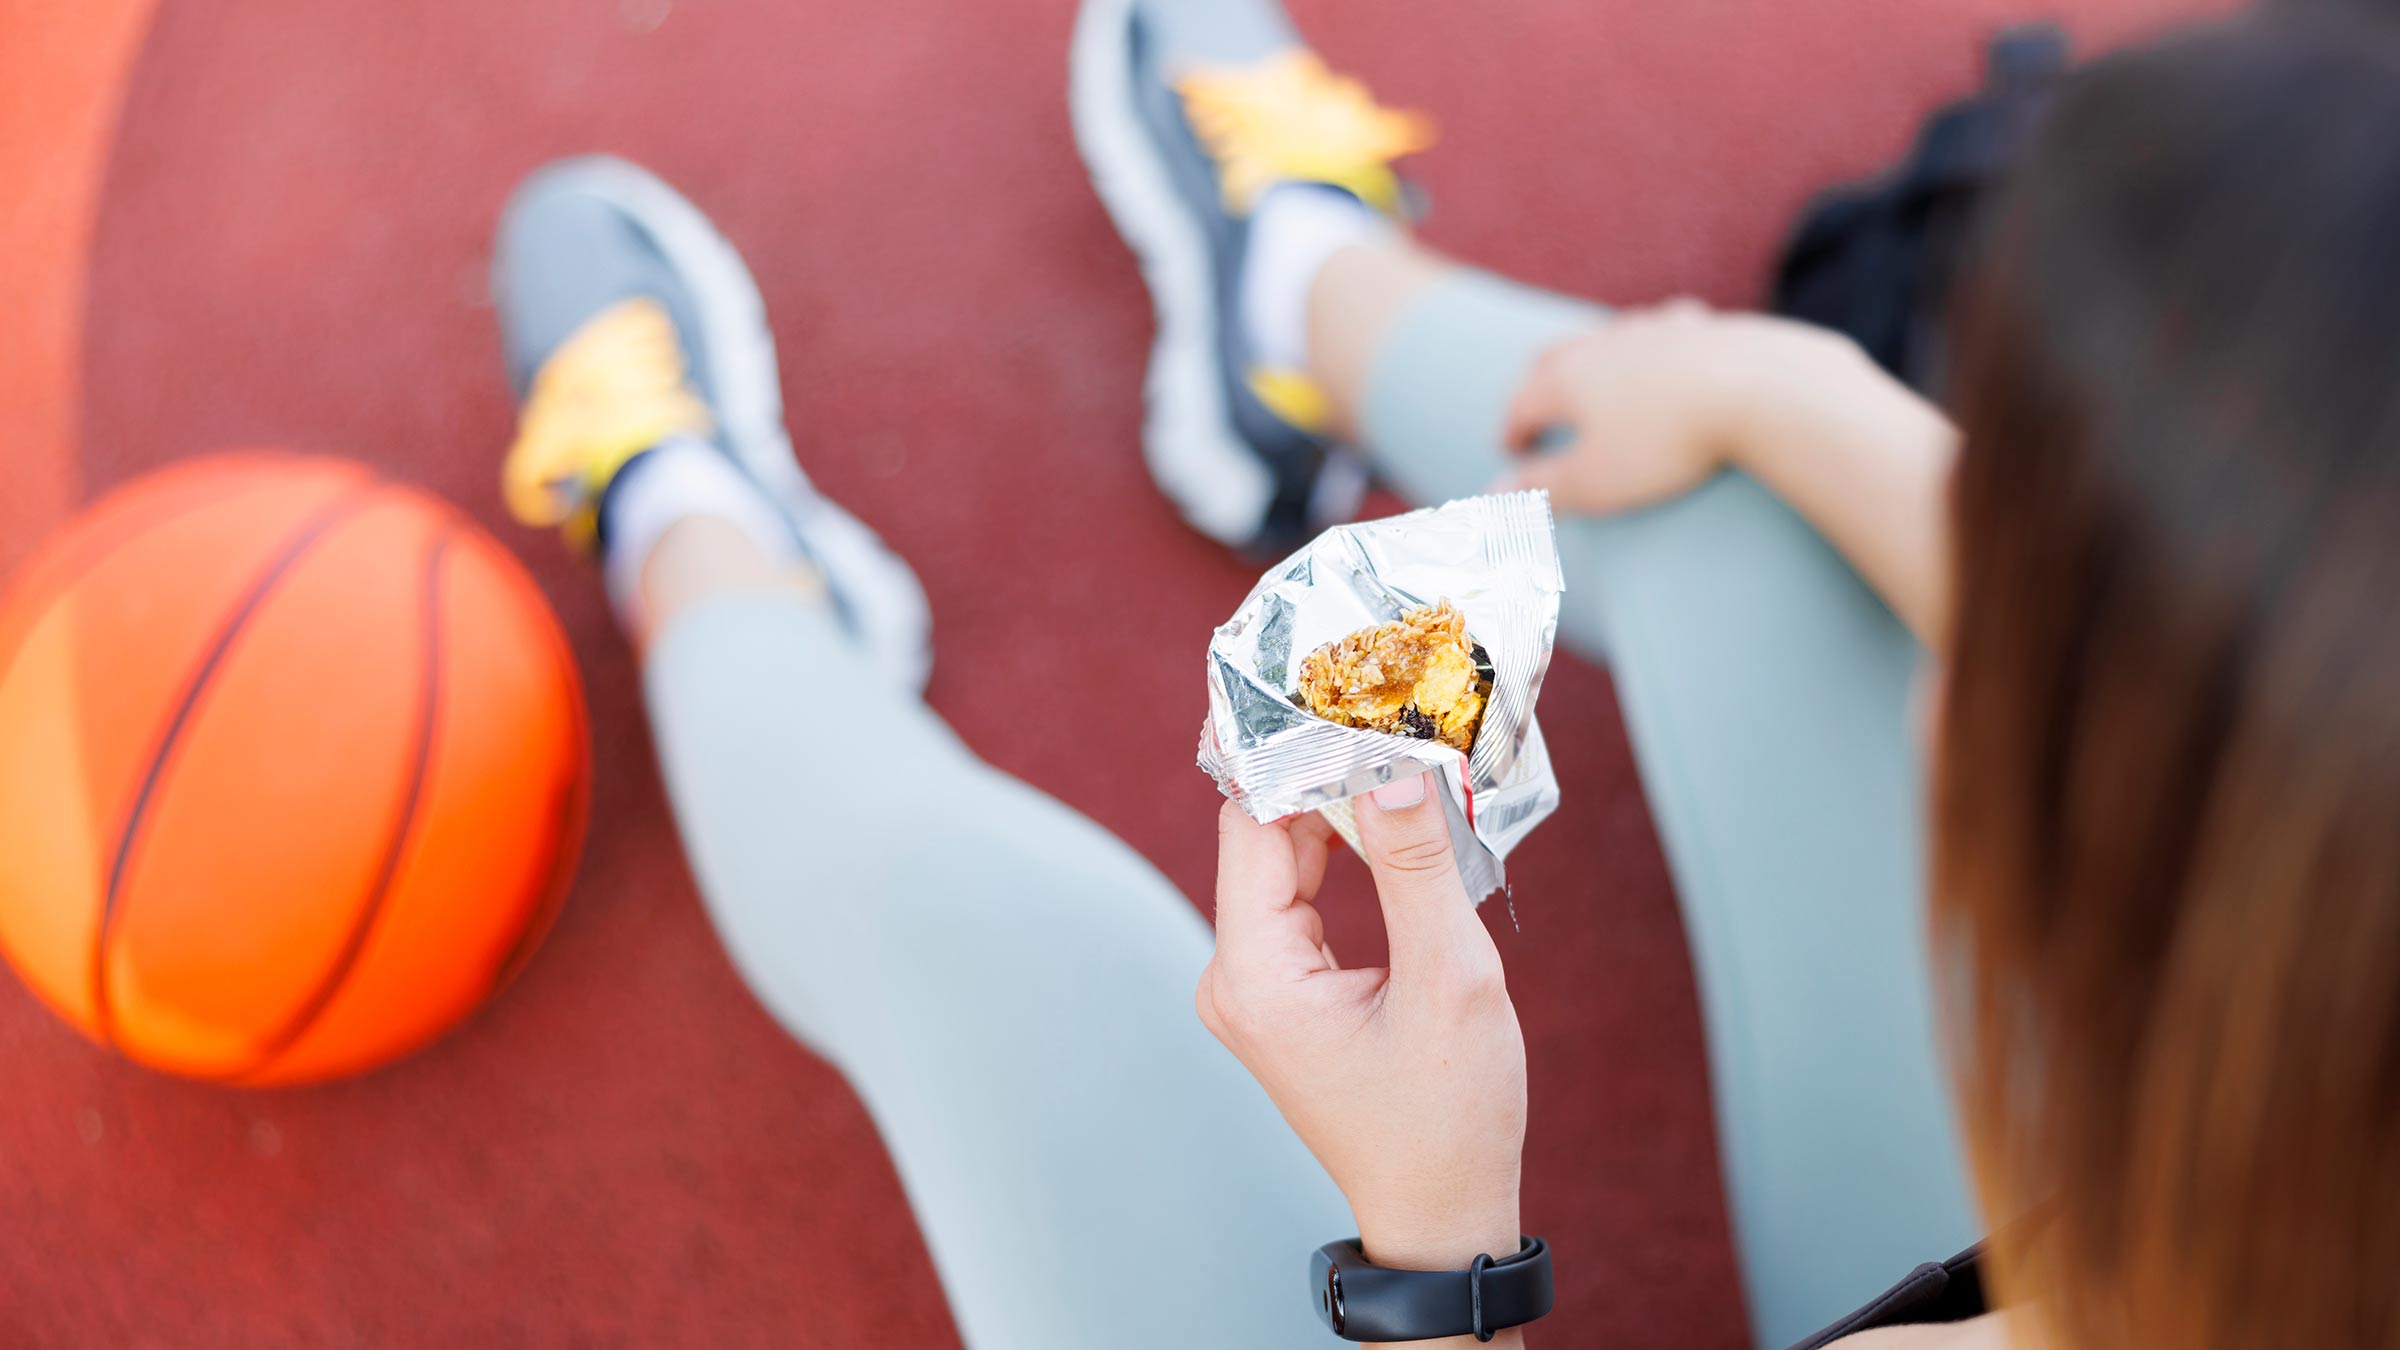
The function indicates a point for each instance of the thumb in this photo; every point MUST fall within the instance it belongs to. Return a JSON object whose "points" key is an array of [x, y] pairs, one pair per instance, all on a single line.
{"points": [[1404, 834], [1539, 405]]}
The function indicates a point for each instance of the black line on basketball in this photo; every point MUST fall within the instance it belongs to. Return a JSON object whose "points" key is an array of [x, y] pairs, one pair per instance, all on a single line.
{"points": [[395, 844], [301, 540]]}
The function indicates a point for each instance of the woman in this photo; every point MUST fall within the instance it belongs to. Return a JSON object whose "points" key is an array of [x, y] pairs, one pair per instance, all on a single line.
{"points": [[2166, 750]]}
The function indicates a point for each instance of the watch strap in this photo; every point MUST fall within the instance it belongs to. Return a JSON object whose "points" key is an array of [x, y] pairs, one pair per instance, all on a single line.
{"points": [[1362, 1301]]}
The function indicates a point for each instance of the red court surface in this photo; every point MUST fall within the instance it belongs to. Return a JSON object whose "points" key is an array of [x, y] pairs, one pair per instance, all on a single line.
{"points": [[287, 230]]}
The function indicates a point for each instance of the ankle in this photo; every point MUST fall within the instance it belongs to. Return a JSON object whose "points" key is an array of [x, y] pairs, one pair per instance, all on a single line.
{"points": [[1295, 230], [727, 534], [1354, 301], [701, 558]]}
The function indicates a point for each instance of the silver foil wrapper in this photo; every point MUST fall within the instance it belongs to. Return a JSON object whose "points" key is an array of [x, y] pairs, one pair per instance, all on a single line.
{"points": [[1496, 559]]}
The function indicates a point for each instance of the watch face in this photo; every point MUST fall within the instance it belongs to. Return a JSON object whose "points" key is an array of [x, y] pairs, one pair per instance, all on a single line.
{"points": [[1332, 1296]]}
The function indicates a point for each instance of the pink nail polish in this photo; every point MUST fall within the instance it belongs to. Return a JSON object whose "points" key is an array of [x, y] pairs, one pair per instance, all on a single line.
{"points": [[1401, 795]]}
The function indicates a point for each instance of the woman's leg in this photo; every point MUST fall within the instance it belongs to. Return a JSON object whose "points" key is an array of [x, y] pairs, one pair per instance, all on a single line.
{"points": [[1765, 690], [1008, 987]]}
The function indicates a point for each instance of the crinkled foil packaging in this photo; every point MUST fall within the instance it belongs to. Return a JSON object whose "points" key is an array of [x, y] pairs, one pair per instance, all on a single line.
{"points": [[1496, 559]]}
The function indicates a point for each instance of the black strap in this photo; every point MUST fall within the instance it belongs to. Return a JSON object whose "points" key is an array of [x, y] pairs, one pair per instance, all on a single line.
{"points": [[1376, 1304], [1949, 1292]]}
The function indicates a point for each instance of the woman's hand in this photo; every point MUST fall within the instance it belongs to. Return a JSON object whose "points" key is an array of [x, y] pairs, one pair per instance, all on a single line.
{"points": [[1408, 1083], [1650, 404], [1655, 401]]}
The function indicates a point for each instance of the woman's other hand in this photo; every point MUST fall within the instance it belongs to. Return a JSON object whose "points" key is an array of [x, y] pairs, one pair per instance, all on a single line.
{"points": [[1647, 406]]}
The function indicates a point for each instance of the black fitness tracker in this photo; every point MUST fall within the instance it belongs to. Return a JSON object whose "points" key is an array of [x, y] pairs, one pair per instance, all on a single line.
{"points": [[1362, 1301]]}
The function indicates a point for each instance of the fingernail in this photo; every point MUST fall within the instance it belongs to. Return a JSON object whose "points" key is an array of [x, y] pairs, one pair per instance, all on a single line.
{"points": [[1401, 795]]}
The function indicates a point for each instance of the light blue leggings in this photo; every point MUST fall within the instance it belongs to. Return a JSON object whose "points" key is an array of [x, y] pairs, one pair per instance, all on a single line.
{"points": [[1009, 988], [1765, 691]]}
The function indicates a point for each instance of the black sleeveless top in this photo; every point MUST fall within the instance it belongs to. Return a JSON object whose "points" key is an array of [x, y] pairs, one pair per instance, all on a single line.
{"points": [[1949, 1292]]}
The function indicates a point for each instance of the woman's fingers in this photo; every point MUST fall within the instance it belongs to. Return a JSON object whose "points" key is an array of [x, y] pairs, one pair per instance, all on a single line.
{"points": [[1436, 940], [1311, 844], [1263, 919], [1257, 878], [1540, 404]]}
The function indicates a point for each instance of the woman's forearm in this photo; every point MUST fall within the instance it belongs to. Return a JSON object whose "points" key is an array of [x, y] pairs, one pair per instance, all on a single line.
{"points": [[1862, 458]]}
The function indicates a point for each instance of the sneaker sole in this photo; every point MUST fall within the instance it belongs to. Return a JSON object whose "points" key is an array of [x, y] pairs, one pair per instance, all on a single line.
{"points": [[1188, 436]]}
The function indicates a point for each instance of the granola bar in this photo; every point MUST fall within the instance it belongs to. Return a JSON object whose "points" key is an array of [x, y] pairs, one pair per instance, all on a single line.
{"points": [[1419, 675]]}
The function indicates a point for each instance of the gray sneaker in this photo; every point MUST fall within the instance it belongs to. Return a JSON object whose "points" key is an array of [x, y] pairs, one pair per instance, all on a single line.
{"points": [[626, 319], [1186, 110]]}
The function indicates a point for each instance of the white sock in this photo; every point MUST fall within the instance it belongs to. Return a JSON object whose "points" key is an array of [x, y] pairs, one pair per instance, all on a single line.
{"points": [[1294, 229], [679, 479]]}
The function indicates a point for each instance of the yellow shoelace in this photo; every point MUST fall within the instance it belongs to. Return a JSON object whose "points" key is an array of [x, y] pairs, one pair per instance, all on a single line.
{"points": [[1288, 117], [616, 387]]}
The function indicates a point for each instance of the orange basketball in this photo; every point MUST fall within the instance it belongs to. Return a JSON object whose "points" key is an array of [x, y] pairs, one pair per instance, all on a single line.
{"points": [[293, 769]]}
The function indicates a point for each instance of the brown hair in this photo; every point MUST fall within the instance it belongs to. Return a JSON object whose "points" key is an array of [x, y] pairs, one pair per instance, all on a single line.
{"points": [[2167, 803]]}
